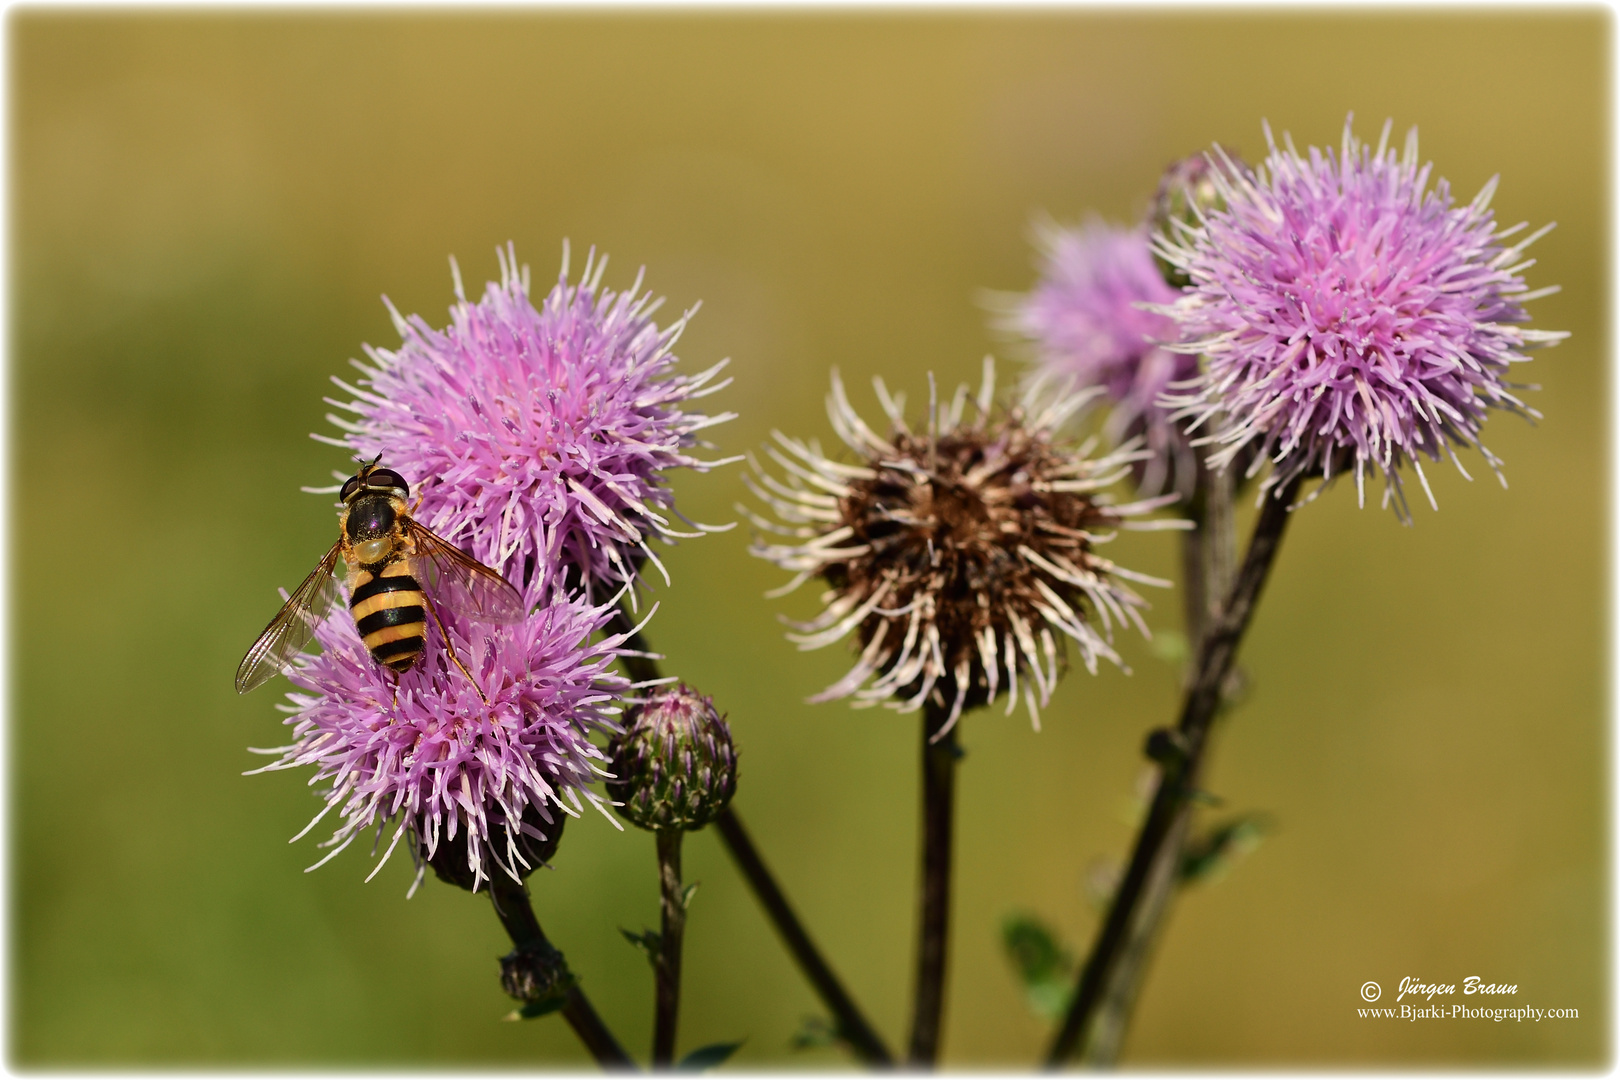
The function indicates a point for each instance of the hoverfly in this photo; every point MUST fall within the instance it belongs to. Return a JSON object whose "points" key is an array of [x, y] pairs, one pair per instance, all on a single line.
{"points": [[392, 562]]}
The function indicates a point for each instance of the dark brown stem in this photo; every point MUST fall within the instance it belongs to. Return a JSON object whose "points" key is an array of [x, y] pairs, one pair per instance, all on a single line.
{"points": [[1209, 558], [939, 755], [512, 905], [1181, 755], [852, 1025], [668, 967]]}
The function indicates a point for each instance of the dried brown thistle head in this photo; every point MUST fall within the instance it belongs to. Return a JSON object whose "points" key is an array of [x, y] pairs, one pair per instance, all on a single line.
{"points": [[955, 552]]}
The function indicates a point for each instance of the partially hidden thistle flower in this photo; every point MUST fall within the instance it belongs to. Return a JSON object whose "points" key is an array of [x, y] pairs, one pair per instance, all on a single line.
{"points": [[517, 422], [1089, 324], [478, 789], [674, 765], [956, 551], [1348, 314]]}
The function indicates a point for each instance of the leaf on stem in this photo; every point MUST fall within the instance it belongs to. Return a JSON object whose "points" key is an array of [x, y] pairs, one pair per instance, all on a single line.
{"points": [[707, 1057], [686, 894], [1043, 965], [650, 942], [1209, 856]]}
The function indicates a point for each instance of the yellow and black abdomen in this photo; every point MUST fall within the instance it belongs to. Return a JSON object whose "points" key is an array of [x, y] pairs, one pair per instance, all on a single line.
{"points": [[390, 612]]}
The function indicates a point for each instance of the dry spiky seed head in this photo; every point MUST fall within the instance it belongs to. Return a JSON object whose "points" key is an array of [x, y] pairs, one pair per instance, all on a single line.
{"points": [[955, 552]]}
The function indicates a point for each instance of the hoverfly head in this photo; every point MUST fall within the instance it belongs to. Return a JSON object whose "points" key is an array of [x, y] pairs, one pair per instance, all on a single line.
{"points": [[371, 479]]}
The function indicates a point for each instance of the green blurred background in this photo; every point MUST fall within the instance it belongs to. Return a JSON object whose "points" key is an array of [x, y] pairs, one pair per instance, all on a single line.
{"points": [[206, 207]]}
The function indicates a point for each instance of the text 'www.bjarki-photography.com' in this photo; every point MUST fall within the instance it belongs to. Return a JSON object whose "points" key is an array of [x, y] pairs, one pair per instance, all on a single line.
{"points": [[1416, 1000]]}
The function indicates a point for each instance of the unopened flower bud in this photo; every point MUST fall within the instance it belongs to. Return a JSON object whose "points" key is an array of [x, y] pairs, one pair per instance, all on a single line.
{"points": [[449, 858], [674, 766], [536, 973], [1186, 191]]}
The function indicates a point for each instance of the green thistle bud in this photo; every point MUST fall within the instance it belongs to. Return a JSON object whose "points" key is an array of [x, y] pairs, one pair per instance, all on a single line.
{"points": [[1187, 190], [674, 765]]}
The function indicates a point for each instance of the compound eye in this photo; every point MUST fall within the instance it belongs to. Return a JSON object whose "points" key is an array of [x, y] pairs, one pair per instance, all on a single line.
{"points": [[386, 479], [350, 486]]}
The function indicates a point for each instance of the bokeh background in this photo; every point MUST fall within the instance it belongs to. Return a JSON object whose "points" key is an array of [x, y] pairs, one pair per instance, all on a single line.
{"points": [[205, 210]]}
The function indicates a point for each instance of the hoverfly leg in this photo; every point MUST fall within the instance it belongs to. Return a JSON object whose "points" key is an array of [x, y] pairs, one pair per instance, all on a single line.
{"points": [[451, 650]]}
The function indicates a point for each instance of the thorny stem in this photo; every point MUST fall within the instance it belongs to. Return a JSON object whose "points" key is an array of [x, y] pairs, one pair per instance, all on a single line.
{"points": [[668, 968], [939, 756], [1216, 651], [851, 1023], [1208, 558], [511, 901]]}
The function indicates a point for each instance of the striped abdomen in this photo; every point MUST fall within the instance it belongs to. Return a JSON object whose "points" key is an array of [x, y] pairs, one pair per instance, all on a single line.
{"points": [[390, 612]]}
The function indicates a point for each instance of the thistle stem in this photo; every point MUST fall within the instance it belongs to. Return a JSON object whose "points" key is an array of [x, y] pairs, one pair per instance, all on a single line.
{"points": [[851, 1023], [939, 756], [668, 993], [1216, 651], [511, 901], [1208, 558]]}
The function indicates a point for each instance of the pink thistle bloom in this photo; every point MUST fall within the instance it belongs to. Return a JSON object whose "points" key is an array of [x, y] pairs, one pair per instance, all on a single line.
{"points": [[437, 763], [1087, 320], [516, 423], [1346, 311], [426, 753]]}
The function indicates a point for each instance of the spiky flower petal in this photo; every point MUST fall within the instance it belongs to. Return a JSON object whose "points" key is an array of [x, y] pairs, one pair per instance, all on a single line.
{"points": [[1348, 314], [1087, 321], [519, 422], [956, 551]]}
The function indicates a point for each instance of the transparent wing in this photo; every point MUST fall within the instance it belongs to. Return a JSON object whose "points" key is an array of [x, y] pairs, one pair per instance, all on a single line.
{"points": [[292, 627], [460, 582]]}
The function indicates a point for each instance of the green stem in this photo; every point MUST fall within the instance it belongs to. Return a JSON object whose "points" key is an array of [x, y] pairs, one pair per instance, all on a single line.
{"points": [[1209, 553], [852, 1025], [1216, 653], [668, 967]]}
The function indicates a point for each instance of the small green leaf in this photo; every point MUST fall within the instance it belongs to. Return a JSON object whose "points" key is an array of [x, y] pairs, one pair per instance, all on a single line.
{"points": [[815, 1033], [686, 894], [1209, 856], [707, 1057], [1041, 962], [1033, 948], [650, 942]]}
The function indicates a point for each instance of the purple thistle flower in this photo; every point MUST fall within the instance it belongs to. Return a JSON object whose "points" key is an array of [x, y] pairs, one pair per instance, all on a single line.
{"points": [[1347, 312], [434, 759], [518, 423], [1087, 320], [535, 439]]}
